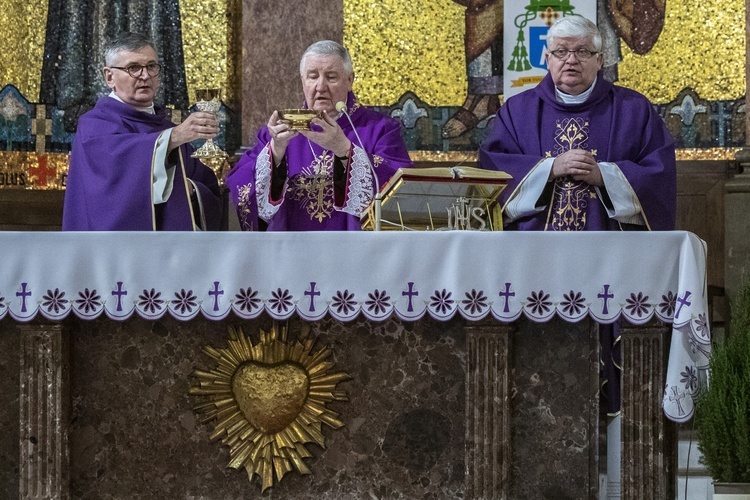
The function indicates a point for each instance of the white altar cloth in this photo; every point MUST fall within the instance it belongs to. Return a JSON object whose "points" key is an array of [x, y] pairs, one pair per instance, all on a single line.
{"points": [[604, 275]]}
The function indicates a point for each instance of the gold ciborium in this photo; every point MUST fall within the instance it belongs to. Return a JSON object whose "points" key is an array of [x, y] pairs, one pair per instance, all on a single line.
{"points": [[208, 100], [298, 119]]}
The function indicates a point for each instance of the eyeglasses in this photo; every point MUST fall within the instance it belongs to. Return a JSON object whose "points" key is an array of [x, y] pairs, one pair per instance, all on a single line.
{"points": [[136, 70], [581, 54]]}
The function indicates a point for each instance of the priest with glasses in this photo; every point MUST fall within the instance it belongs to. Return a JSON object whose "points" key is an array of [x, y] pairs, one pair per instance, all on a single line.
{"points": [[585, 155], [130, 167]]}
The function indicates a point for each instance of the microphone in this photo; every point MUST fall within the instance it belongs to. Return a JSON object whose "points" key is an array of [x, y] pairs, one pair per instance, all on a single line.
{"points": [[377, 200]]}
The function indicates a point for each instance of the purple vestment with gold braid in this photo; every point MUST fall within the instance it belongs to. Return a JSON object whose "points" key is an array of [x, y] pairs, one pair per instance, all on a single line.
{"points": [[616, 124], [308, 201]]}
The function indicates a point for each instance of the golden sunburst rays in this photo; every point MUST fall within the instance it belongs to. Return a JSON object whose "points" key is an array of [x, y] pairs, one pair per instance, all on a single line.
{"points": [[268, 400]]}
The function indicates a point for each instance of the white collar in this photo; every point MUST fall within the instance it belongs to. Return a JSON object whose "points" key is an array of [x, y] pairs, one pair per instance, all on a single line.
{"points": [[146, 109], [574, 99]]}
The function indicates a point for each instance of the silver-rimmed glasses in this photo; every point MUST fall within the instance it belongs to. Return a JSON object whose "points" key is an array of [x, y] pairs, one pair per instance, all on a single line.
{"points": [[580, 54]]}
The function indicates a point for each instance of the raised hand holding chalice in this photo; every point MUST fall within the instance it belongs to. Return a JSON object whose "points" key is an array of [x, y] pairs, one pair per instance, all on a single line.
{"points": [[208, 100]]}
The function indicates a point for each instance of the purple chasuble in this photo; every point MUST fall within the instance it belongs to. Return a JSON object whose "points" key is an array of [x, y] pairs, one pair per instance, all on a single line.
{"points": [[110, 177], [307, 203], [616, 124]]}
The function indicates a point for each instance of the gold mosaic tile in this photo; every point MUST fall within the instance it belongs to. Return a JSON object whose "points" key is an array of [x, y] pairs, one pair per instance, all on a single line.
{"points": [[204, 41], [702, 47], [401, 45], [22, 25]]}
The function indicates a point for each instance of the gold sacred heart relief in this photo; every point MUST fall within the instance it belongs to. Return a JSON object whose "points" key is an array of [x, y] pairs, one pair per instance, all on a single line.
{"points": [[267, 400], [270, 397]]}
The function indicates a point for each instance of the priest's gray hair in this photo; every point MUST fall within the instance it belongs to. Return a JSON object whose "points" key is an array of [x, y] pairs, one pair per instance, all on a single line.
{"points": [[328, 48], [575, 27], [126, 42]]}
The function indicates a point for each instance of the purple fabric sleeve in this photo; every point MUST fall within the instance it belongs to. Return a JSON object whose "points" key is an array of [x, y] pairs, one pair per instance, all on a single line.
{"points": [[109, 181]]}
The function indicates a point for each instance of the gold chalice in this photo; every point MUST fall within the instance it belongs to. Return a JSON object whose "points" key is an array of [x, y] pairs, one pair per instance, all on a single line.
{"points": [[298, 119], [208, 100]]}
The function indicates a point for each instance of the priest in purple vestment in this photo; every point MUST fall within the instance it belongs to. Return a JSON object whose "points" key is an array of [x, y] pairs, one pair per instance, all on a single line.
{"points": [[584, 155], [130, 167], [319, 179]]}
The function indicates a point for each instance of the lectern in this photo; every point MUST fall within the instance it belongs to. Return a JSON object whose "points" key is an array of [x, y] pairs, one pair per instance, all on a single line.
{"points": [[439, 198]]}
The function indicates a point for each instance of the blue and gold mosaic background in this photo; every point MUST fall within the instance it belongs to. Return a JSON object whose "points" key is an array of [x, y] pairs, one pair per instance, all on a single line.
{"points": [[409, 61]]}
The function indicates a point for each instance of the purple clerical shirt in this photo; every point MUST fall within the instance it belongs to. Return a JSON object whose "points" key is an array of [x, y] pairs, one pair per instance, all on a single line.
{"points": [[110, 176], [309, 200]]}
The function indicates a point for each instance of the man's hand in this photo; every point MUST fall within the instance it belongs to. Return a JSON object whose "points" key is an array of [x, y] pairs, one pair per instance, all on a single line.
{"points": [[199, 125], [579, 165], [281, 134], [330, 137]]}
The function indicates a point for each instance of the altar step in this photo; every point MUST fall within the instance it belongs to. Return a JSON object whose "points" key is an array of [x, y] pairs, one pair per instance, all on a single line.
{"points": [[689, 468], [691, 474]]}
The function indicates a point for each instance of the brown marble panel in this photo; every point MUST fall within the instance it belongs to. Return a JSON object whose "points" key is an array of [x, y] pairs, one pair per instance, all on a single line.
{"points": [[274, 36], [134, 431], [10, 357], [555, 411]]}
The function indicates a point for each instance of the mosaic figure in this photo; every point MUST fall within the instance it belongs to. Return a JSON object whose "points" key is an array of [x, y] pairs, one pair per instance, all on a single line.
{"points": [[483, 46], [638, 23]]}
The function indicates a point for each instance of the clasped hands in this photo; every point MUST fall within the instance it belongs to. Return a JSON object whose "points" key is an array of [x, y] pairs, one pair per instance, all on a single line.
{"points": [[578, 164], [328, 135]]}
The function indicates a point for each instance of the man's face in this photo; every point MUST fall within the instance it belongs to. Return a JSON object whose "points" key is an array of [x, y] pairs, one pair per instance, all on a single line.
{"points": [[325, 82], [569, 74], [139, 91]]}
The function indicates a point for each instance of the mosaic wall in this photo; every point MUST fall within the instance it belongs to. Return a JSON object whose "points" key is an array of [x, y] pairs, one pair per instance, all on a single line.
{"points": [[701, 46], [694, 73]]}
